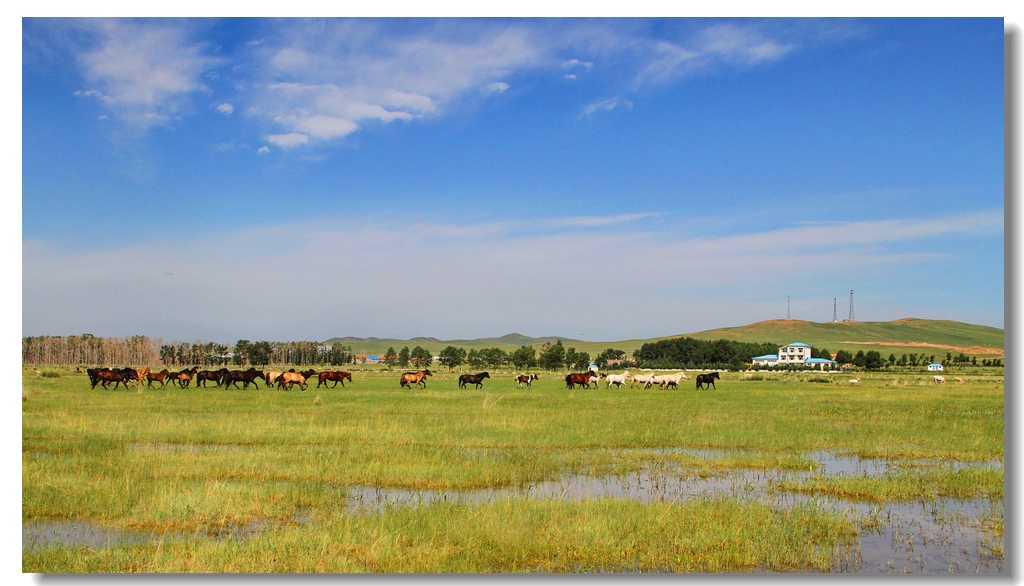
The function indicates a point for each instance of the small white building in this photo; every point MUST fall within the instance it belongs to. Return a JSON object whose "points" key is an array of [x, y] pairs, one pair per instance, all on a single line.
{"points": [[766, 360], [935, 366]]}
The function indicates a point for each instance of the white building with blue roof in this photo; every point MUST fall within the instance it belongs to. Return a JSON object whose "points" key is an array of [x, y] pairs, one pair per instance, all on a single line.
{"points": [[795, 353]]}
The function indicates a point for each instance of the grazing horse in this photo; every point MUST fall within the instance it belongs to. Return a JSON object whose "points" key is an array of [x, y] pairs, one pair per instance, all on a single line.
{"points": [[294, 378], [939, 379], [338, 376], [579, 378], [160, 376], [215, 375], [232, 377], [525, 379], [707, 379], [410, 379], [477, 379]]}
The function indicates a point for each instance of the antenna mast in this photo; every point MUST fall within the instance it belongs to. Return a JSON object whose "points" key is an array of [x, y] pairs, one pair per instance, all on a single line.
{"points": [[851, 305], [833, 310], [787, 306]]}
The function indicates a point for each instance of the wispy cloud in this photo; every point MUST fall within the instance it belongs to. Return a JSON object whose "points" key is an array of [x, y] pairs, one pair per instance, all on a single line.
{"points": [[606, 105], [145, 72]]}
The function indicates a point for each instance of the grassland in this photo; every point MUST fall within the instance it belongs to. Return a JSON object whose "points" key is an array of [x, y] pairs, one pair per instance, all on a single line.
{"points": [[905, 336], [195, 466]]}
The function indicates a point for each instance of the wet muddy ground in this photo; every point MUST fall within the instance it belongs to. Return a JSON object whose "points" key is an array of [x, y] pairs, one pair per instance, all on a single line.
{"points": [[940, 536]]}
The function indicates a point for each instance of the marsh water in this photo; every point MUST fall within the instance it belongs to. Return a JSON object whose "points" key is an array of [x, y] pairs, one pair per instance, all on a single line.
{"points": [[935, 536]]}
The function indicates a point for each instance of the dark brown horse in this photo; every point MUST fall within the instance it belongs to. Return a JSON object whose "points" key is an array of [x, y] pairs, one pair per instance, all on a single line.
{"points": [[117, 376], [338, 376], [206, 375], [477, 379], [707, 379], [409, 379], [232, 377]]}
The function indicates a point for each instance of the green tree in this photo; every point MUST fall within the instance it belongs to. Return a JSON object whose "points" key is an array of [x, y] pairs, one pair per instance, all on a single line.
{"points": [[475, 359], [452, 357], [259, 353], [844, 357], [494, 357], [873, 360], [859, 359], [241, 351], [420, 357], [403, 357], [524, 357], [552, 356], [608, 355], [390, 358], [570, 358], [582, 361]]}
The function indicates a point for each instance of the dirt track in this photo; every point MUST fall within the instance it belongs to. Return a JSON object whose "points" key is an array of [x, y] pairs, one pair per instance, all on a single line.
{"points": [[971, 350]]}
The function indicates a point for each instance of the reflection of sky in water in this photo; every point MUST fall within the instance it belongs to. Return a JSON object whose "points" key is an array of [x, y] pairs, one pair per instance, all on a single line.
{"points": [[939, 536]]}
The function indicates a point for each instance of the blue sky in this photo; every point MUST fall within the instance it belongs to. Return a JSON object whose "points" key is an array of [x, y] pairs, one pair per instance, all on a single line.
{"points": [[603, 179]]}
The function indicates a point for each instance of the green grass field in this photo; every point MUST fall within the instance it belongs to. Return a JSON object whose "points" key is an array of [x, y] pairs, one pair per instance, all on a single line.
{"points": [[191, 465]]}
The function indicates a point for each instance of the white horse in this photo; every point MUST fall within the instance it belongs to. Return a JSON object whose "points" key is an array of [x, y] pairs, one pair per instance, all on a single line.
{"points": [[644, 380], [615, 379]]}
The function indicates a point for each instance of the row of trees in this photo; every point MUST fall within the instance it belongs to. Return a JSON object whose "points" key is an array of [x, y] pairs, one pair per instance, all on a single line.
{"points": [[549, 357], [142, 350], [694, 353]]}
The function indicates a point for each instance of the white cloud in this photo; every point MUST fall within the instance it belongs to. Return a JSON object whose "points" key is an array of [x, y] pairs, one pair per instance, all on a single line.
{"points": [[326, 78], [577, 63], [606, 105], [225, 108], [289, 140], [145, 72], [263, 151]]}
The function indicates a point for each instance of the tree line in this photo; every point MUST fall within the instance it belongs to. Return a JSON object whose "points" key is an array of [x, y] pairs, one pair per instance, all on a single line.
{"points": [[90, 350]]}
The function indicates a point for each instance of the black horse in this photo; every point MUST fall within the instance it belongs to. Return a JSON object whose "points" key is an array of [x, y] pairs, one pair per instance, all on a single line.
{"points": [[707, 379], [477, 379]]}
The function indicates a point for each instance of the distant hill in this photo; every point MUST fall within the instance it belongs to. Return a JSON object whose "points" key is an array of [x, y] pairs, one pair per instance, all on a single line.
{"points": [[909, 335], [903, 336]]}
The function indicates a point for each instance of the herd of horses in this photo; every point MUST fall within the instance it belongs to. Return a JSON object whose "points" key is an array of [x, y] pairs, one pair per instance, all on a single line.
{"points": [[222, 377], [285, 380]]}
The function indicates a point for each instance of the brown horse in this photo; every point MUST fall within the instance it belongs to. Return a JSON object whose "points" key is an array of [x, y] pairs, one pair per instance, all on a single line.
{"points": [[579, 378], [409, 379], [159, 376], [116, 376], [184, 377], [338, 376]]}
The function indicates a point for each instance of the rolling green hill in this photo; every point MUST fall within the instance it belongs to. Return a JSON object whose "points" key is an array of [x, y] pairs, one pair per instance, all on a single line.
{"points": [[903, 336]]}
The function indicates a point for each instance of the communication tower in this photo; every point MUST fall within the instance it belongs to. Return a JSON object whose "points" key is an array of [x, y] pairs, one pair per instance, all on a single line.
{"points": [[833, 310], [851, 305]]}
